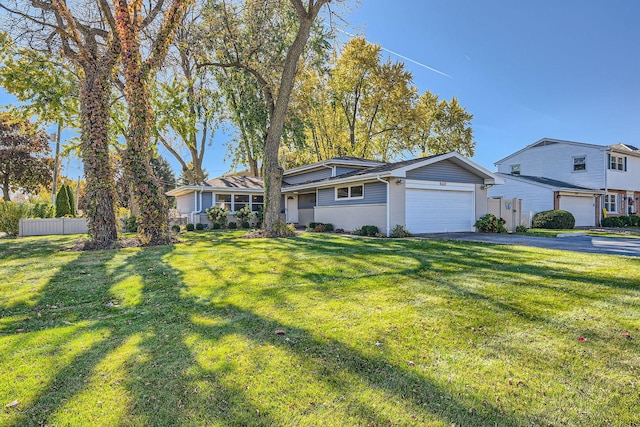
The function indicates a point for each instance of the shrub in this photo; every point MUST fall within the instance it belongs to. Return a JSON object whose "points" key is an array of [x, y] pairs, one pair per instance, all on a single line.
{"points": [[281, 229], [199, 226], [244, 215], [233, 225], [10, 214], [218, 215], [399, 231], [245, 224], [130, 224], [489, 223], [554, 220], [175, 228], [366, 230], [216, 226], [635, 220], [521, 229], [320, 227], [42, 210], [190, 227], [65, 204], [612, 221]]}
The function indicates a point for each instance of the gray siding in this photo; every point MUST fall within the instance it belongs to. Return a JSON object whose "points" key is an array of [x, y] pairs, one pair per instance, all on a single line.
{"points": [[445, 170], [308, 176], [374, 192], [207, 200], [340, 170]]}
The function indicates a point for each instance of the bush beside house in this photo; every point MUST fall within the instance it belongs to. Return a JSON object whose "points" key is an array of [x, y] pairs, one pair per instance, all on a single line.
{"points": [[554, 220]]}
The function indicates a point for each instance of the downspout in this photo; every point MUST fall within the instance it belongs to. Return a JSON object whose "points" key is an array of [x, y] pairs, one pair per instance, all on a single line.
{"points": [[388, 204], [195, 205]]}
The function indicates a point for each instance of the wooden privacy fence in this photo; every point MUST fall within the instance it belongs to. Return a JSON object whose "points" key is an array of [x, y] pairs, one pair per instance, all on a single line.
{"points": [[49, 226], [508, 209]]}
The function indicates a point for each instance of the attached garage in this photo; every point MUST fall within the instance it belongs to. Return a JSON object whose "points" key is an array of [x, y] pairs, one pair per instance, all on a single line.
{"points": [[439, 207], [583, 208]]}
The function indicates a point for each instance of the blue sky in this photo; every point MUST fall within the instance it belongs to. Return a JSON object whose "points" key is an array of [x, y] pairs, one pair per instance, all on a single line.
{"points": [[565, 69]]}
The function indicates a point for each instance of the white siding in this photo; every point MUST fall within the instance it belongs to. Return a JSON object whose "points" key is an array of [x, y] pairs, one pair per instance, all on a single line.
{"points": [[185, 203], [625, 180], [555, 161], [535, 198]]}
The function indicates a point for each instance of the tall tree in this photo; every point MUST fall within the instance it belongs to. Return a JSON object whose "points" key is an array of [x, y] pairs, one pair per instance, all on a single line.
{"points": [[86, 38], [364, 107], [186, 101], [270, 53], [153, 221], [23, 156]]}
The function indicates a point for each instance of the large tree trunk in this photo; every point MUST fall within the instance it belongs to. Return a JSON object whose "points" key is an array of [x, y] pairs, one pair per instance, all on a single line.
{"points": [[273, 171], [153, 217], [98, 170]]}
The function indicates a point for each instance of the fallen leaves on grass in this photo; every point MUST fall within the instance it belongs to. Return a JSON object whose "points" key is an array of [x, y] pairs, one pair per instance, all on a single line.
{"points": [[583, 339], [12, 404]]}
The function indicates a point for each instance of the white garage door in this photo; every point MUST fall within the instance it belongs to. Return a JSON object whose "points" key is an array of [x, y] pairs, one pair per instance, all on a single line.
{"points": [[582, 208], [439, 211]]}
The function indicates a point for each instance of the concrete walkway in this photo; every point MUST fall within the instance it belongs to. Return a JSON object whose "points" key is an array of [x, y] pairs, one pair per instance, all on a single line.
{"points": [[580, 243]]}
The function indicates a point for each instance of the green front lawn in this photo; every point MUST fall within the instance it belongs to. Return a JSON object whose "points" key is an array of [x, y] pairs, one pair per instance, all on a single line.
{"points": [[376, 332]]}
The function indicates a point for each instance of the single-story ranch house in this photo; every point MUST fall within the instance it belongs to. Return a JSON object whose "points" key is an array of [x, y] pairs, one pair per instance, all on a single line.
{"points": [[441, 193]]}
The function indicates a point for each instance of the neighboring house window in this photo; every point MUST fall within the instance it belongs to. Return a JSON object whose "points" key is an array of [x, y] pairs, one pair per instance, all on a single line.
{"points": [[611, 203], [515, 169], [223, 201], [580, 163], [617, 163], [354, 192]]}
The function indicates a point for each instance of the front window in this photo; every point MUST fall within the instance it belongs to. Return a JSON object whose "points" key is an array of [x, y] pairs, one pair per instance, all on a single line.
{"points": [[257, 202], [223, 201], [611, 203], [617, 163], [515, 169], [353, 192], [580, 163], [240, 201]]}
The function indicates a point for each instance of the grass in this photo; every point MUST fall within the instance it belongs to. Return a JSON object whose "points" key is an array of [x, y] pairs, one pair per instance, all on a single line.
{"points": [[377, 332], [631, 233]]}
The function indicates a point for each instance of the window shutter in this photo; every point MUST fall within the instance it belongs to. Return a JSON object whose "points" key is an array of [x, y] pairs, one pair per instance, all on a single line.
{"points": [[608, 161], [625, 164]]}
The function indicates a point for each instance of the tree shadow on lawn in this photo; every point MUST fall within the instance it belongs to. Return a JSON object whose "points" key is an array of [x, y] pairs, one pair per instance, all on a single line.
{"points": [[160, 381]]}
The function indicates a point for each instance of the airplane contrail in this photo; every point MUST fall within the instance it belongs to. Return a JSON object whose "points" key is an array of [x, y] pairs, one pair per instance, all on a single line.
{"points": [[404, 57]]}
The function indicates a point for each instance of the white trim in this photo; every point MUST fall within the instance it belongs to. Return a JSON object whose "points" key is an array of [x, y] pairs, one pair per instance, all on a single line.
{"points": [[444, 186], [349, 197]]}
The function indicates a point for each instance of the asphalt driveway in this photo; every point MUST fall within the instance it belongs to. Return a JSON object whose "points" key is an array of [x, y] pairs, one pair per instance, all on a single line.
{"points": [[590, 244]]}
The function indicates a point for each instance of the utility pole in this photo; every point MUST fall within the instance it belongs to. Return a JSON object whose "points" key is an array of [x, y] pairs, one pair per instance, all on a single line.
{"points": [[56, 164]]}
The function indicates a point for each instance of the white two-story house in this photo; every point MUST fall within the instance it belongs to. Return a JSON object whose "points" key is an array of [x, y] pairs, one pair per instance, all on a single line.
{"points": [[587, 180]]}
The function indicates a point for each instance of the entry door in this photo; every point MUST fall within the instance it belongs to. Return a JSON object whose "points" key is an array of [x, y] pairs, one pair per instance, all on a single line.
{"points": [[292, 209]]}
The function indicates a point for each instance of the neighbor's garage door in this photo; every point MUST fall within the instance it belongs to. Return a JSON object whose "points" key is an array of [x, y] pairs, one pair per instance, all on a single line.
{"points": [[582, 208], [439, 210]]}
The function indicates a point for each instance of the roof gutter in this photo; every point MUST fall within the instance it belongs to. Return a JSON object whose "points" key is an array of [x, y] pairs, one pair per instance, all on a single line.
{"points": [[388, 203]]}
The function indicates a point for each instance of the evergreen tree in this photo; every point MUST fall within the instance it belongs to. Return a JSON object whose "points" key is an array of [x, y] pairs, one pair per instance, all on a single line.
{"points": [[63, 204]]}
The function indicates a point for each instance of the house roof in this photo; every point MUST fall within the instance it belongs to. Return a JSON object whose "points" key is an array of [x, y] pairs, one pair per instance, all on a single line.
{"points": [[374, 171], [548, 182], [334, 161], [224, 183], [399, 169], [236, 181], [549, 141]]}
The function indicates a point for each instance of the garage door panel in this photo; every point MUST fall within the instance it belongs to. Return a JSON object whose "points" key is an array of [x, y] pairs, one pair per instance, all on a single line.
{"points": [[436, 211], [582, 208]]}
